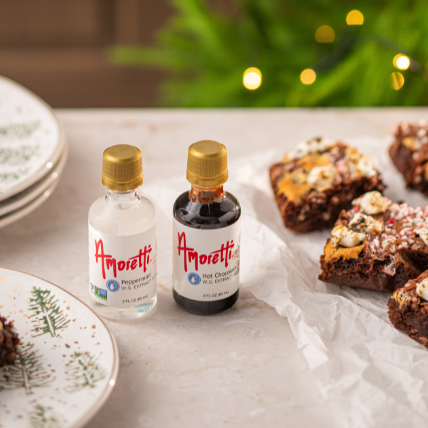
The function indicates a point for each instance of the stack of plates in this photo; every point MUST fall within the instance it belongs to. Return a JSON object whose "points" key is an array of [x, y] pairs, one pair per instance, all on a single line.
{"points": [[33, 151]]}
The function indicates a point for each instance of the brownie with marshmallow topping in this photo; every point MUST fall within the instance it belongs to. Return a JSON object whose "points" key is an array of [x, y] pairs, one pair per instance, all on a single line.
{"points": [[8, 342], [378, 244], [318, 179], [408, 309], [409, 152]]}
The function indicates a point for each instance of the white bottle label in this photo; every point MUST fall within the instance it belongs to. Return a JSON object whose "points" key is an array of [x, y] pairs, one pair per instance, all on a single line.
{"points": [[122, 269], [205, 262]]}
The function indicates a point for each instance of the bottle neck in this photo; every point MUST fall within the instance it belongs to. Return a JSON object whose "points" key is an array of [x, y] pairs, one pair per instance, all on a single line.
{"points": [[206, 195], [122, 200]]}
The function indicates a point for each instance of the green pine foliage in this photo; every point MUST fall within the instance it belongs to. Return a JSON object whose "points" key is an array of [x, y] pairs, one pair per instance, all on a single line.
{"points": [[48, 317], [206, 51], [19, 131], [44, 417], [83, 370], [27, 371]]}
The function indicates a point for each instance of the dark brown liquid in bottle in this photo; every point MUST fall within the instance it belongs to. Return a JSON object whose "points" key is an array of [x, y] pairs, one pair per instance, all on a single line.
{"points": [[206, 208]]}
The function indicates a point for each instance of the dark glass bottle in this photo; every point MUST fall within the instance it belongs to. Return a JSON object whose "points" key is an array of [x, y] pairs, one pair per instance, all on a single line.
{"points": [[206, 208], [206, 235]]}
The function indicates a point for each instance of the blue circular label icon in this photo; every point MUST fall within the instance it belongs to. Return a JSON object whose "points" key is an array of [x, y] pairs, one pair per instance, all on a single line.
{"points": [[113, 285], [194, 278]]}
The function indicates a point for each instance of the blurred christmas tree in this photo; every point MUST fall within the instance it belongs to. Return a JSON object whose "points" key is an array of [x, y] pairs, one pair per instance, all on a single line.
{"points": [[311, 53]]}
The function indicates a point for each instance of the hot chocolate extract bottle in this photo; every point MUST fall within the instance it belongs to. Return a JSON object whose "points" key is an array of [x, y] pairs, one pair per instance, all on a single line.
{"points": [[122, 240], [206, 235]]}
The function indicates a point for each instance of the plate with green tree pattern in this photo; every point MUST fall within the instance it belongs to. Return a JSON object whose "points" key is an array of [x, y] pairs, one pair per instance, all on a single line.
{"points": [[67, 360], [31, 138]]}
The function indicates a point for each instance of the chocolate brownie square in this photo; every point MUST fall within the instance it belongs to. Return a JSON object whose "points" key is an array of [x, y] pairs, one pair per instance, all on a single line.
{"points": [[377, 245], [408, 309], [318, 179], [409, 152], [8, 342]]}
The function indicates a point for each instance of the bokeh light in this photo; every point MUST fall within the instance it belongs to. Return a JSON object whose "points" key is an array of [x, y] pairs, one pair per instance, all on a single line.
{"points": [[252, 78], [355, 17], [396, 80], [308, 76], [402, 62], [324, 34]]}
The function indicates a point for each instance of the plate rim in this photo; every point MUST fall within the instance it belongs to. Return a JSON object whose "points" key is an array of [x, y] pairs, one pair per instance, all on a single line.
{"points": [[41, 185], [28, 208], [115, 369], [62, 141]]}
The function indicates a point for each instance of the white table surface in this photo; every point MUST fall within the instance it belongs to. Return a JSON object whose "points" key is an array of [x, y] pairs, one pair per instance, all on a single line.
{"points": [[240, 368]]}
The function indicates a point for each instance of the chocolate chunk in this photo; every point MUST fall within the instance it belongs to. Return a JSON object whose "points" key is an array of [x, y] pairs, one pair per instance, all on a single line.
{"points": [[8, 342]]}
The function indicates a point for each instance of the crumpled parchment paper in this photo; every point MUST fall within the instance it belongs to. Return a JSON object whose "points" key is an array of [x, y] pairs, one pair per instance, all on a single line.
{"points": [[370, 373]]}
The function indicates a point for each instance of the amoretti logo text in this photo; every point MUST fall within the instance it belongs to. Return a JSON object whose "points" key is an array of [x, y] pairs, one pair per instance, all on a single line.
{"points": [[107, 261], [190, 255]]}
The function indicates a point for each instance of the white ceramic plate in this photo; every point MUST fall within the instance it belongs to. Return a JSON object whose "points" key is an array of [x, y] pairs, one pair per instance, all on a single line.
{"points": [[30, 138], [25, 197], [27, 209], [68, 359]]}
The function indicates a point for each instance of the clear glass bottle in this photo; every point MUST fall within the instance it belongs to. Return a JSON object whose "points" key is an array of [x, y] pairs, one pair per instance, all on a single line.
{"points": [[122, 240], [206, 235]]}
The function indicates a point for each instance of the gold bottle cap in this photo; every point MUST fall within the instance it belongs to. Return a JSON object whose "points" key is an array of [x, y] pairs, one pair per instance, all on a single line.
{"points": [[122, 168], [207, 164]]}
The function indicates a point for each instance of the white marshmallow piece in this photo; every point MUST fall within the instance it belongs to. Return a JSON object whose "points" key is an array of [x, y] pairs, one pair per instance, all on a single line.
{"points": [[321, 176], [422, 289], [373, 203], [348, 238], [309, 147], [423, 234], [366, 166]]}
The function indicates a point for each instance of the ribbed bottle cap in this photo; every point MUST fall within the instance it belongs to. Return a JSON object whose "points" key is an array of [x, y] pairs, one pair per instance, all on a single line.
{"points": [[122, 168], [207, 164]]}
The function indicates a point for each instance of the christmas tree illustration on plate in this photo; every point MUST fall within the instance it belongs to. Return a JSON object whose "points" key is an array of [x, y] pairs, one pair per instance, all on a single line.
{"points": [[27, 371], [47, 314], [44, 417], [83, 371]]}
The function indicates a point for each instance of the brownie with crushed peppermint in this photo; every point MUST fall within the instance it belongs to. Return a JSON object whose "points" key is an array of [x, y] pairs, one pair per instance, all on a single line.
{"points": [[409, 152], [378, 244], [8, 342], [318, 179], [408, 309]]}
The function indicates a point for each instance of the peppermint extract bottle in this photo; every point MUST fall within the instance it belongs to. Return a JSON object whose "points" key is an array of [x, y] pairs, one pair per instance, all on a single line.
{"points": [[206, 235], [122, 240]]}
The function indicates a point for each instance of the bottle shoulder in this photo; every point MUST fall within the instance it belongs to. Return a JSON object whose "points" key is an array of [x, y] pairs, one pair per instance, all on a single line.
{"points": [[110, 218], [101, 203], [217, 214]]}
